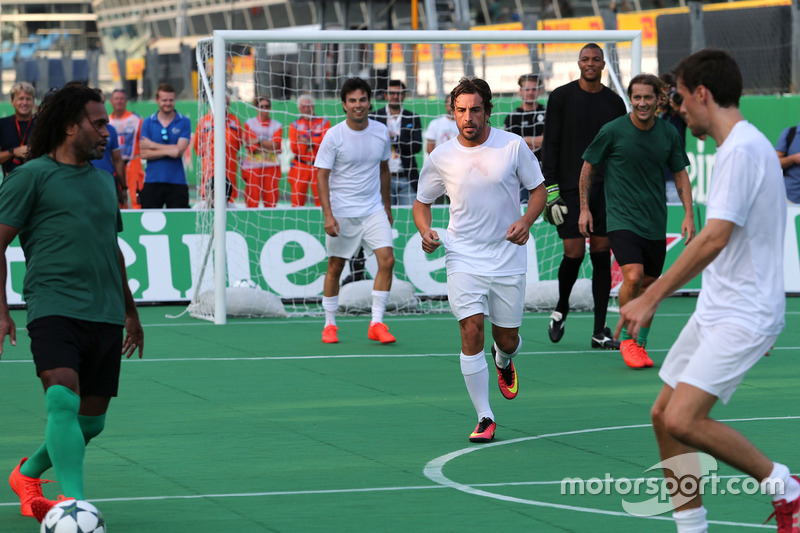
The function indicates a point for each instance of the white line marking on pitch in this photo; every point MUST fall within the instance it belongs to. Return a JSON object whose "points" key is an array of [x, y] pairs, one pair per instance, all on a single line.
{"points": [[134, 360], [433, 471]]}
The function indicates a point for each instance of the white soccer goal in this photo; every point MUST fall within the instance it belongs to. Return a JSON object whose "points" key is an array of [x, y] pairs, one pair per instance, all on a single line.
{"points": [[280, 250]]}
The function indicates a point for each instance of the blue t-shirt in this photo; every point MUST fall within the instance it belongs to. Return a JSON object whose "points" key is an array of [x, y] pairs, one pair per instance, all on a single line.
{"points": [[166, 169], [104, 163], [791, 175]]}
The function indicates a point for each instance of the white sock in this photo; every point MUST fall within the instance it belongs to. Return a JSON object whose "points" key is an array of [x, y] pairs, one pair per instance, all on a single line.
{"points": [[501, 358], [691, 520], [379, 299], [330, 304], [476, 377], [780, 484]]}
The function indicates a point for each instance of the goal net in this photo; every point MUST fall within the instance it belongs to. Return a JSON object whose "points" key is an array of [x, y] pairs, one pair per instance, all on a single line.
{"points": [[265, 99]]}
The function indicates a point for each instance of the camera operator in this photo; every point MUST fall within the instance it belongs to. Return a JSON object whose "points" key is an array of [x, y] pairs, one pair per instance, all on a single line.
{"points": [[670, 111]]}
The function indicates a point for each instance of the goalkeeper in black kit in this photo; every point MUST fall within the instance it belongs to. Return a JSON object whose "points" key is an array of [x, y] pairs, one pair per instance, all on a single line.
{"points": [[575, 113]]}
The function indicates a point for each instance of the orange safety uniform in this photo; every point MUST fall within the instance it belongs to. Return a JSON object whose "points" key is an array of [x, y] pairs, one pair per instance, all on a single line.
{"points": [[204, 148], [129, 130], [305, 135], [261, 170]]}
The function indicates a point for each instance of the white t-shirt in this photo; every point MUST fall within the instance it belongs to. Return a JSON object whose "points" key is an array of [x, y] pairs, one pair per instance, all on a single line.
{"points": [[441, 130], [354, 159], [744, 283], [483, 185]]}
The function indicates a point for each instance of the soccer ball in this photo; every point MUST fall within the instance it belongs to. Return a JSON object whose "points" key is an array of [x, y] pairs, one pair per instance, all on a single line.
{"points": [[248, 283], [73, 516]]}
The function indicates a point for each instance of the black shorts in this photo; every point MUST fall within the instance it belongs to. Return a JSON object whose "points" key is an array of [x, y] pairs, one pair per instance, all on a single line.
{"points": [[169, 195], [92, 349], [630, 248], [597, 206]]}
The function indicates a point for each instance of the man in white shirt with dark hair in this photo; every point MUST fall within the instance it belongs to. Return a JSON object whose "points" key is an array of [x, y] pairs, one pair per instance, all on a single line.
{"points": [[353, 182], [742, 303], [481, 171], [442, 129]]}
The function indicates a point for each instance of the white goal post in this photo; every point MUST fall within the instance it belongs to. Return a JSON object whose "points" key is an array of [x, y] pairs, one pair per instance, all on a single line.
{"points": [[215, 254]]}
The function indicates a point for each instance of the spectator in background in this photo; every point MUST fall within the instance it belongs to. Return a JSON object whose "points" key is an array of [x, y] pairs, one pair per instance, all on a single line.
{"points": [[16, 129], [129, 128], [112, 162], [305, 134], [405, 131], [442, 129], [261, 170], [671, 112], [788, 149], [165, 137], [204, 148], [527, 120]]}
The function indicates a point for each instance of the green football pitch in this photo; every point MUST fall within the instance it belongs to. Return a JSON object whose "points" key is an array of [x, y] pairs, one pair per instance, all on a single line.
{"points": [[257, 426]]}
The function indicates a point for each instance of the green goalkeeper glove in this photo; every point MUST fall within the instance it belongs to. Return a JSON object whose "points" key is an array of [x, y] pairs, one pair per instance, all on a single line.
{"points": [[555, 208]]}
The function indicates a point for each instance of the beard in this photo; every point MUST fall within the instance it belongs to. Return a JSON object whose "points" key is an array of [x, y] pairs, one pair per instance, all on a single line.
{"points": [[96, 152], [476, 133]]}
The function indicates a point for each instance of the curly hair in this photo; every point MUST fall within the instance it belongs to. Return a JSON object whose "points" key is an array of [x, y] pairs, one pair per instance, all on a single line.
{"points": [[57, 111]]}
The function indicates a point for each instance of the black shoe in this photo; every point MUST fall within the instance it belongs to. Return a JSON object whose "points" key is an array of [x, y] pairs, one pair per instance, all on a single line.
{"points": [[556, 329], [604, 340]]}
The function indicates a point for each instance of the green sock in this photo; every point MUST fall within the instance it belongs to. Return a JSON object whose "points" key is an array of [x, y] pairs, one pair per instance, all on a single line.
{"points": [[642, 340], [91, 426], [64, 439], [625, 335], [39, 462]]}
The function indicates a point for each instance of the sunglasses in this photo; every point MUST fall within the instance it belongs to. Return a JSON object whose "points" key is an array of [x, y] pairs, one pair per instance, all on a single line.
{"points": [[164, 135]]}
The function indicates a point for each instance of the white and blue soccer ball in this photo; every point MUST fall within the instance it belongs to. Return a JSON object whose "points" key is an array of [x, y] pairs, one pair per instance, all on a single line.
{"points": [[73, 516], [247, 283]]}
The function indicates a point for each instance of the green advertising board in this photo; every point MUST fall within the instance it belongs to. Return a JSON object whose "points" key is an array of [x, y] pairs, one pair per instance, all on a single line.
{"points": [[283, 251]]}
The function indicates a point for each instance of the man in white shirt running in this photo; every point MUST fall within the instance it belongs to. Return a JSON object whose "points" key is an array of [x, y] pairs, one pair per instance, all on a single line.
{"points": [[353, 181], [481, 171], [740, 310]]}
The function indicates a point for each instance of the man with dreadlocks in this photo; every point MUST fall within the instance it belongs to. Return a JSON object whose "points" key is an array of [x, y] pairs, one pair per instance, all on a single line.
{"points": [[66, 214]]}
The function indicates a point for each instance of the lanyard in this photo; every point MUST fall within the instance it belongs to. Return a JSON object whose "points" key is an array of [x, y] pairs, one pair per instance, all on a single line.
{"points": [[22, 137], [19, 132]]}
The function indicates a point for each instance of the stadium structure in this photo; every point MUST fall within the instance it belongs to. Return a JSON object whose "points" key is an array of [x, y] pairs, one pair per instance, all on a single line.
{"points": [[107, 40]]}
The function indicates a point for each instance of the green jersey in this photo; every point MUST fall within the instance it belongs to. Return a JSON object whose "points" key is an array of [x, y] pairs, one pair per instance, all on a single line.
{"points": [[68, 219], [635, 161]]}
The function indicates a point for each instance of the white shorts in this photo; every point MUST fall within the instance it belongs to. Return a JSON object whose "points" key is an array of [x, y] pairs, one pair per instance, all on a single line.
{"points": [[372, 232], [500, 298], [713, 358]]}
